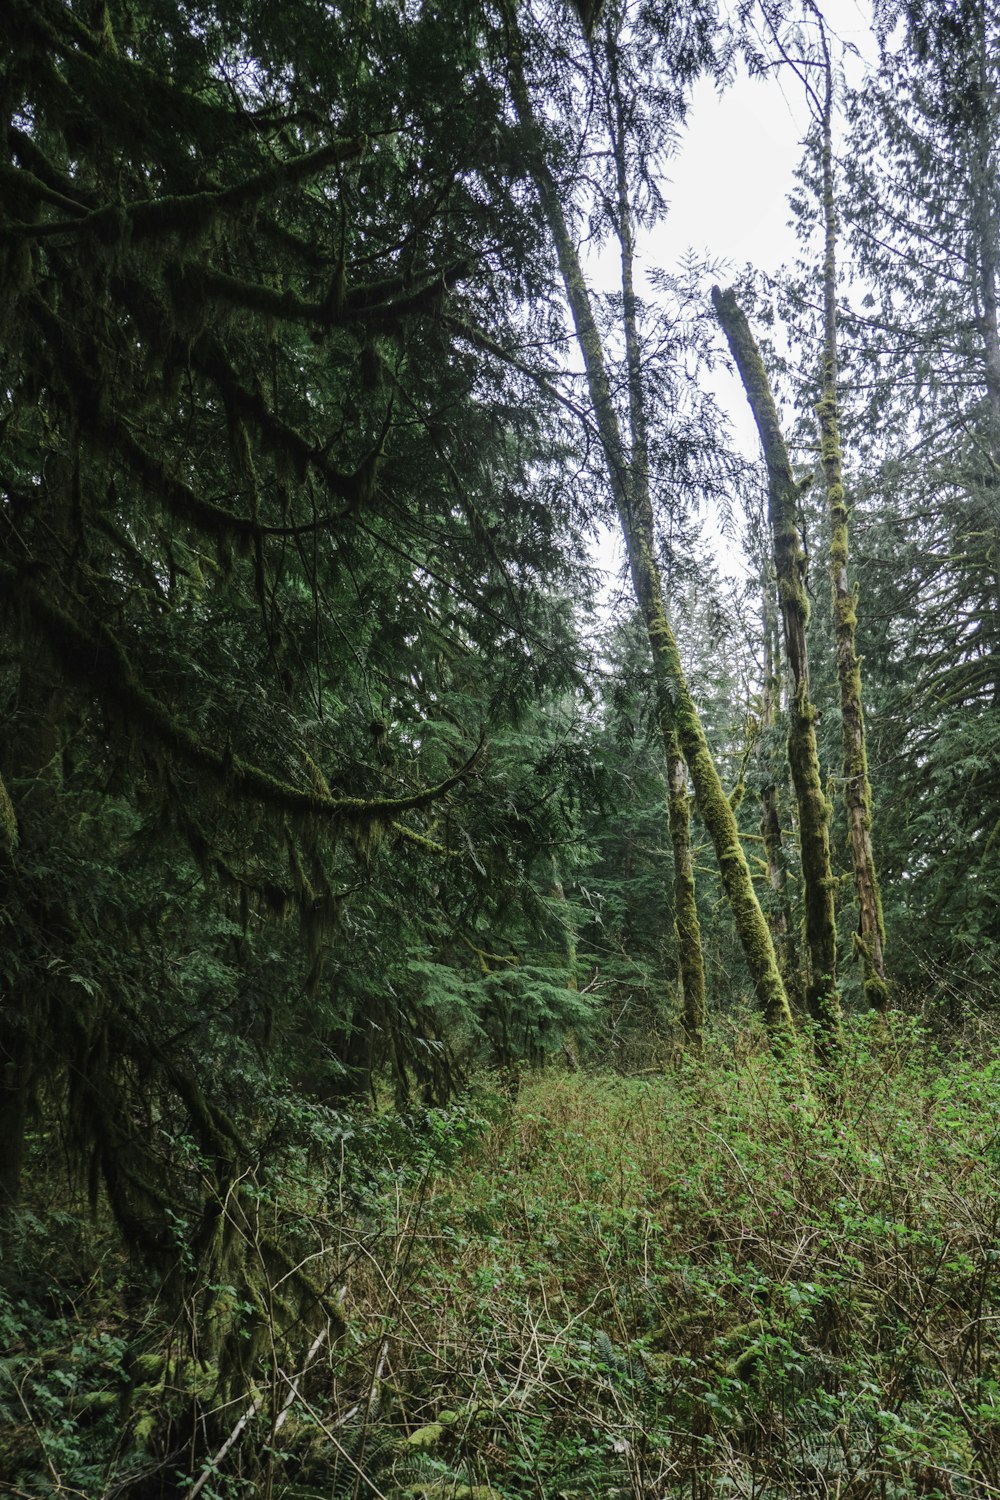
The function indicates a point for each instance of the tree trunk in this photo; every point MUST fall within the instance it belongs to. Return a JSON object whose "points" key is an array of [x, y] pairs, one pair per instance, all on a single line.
{"points": [[857, 787], [780, 915], [814, 811], [690, 960], [557, 891], [687, 928], [674, 701]]}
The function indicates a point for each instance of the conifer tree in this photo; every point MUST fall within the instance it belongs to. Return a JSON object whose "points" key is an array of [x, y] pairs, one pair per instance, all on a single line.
{"points": [[920, 209], [278, 559], [857, 787]]}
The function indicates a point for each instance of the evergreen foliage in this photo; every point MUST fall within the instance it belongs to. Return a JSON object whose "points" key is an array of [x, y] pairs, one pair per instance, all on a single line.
{"points": [[278, 559]]}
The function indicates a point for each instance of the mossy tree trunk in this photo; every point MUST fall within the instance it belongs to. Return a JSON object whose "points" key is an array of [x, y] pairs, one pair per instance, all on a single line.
{"points": [[780, 913], [690, 960], [674, 701], [567, 931], [687, 928], [789, 560], [857, 787]]}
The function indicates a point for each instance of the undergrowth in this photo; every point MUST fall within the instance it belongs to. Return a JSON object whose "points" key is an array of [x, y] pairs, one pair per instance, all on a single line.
{"points": [[690, 1284]]}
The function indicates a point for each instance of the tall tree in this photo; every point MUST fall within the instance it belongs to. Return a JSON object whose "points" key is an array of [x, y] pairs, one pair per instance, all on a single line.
{"points": [[676, 707], [691, 962], [921, 210], [857, 786], [822, 996], [775, 774], [276, 555]]}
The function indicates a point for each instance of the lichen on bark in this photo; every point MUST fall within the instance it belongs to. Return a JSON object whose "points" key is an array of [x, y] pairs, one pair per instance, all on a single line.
{"points": [[8, 822]]}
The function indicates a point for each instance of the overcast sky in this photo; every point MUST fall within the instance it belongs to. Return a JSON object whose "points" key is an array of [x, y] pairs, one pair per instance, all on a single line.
{"points": [[730, 183]]}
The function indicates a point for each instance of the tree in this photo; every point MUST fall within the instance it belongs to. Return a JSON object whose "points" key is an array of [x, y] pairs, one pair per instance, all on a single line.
{"points": [[921, 212], [857, 786], [789, 564], [277, 554], [676, 708]]}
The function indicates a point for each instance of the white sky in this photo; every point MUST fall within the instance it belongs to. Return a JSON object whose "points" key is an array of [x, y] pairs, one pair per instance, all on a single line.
{"points": [[730, 183]]}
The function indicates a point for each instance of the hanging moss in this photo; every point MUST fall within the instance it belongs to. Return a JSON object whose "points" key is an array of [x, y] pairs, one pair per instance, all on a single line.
{"points": [[98, 658], [189, 215], [282, 440]]}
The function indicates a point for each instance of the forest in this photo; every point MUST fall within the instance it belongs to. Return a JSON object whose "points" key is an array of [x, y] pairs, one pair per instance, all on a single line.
{"points": [[479, 1021]]}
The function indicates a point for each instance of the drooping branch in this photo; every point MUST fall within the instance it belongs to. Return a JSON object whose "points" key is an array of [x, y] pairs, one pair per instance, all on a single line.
{"points": [[189, 212], [379, 306], [95, 656], [117, 440]]}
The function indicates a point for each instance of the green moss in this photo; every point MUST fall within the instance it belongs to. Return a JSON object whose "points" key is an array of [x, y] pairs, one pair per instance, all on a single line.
{"points": [[688, 928], [789, 561], [426, 1438], [8, 822], [857, 788], [446, 1489]]}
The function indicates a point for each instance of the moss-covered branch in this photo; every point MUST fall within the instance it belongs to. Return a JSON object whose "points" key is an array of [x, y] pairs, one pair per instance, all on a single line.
{"points": [[218, 521], [283, 440], [191, 212], [383, 306], [94, 656]]}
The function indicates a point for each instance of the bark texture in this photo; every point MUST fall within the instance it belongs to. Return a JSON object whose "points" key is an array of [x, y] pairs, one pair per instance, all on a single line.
{"points": [[690, 961], [822, 998], [780, 912]]}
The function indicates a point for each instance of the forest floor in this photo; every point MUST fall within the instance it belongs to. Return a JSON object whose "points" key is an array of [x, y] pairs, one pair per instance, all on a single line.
{"points": [[687, 1284]]}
